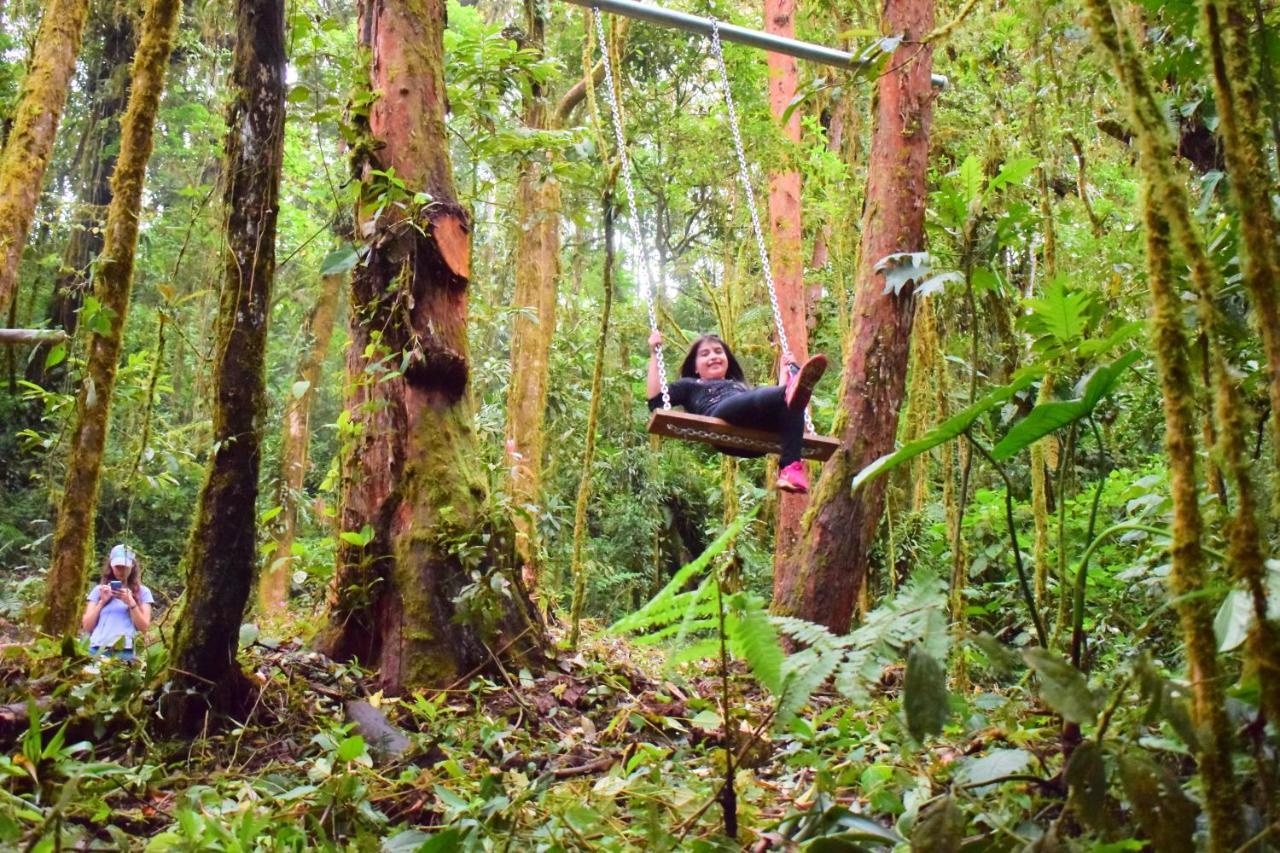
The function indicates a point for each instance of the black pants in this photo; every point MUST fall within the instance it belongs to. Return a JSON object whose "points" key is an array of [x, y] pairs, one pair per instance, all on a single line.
{"points": [[766, 409]]}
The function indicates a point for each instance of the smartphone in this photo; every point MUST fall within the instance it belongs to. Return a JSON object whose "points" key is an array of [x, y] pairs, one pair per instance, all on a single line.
{"points": [[116, 586]]}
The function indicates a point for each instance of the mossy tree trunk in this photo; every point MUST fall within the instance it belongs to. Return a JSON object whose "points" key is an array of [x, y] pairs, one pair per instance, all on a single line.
{"points": [[273, 589], [1238, 96], [1166, 211], [29, 144], [537, 270], [409, 469], [72, 538], [830, 561], [537, 275], [578, 570], [786, 247], [1240, 105], [221, 554], [113, 32]]}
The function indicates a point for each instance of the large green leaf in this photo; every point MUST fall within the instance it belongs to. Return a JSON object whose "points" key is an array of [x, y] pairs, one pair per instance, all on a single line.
{"points": [[950, 428], [939, 829], [924, 694], [1060, 312], [1062, 686], [994, 765], [1050, 417], [1164, 812], [1087, 781]]}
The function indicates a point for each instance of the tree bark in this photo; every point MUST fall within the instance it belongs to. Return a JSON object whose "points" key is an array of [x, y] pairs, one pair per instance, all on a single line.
{"points": [[114, 29], [29, 145], [787, 255], [422, 598], [1166, 211], [577, 570], [1240, 108], [221, 554], [831, 558], [72, 538], [273, 590], [534, 323]]}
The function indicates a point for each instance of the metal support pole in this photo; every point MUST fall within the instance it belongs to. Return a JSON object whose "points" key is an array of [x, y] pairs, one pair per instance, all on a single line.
{"points": [[702, 26]]}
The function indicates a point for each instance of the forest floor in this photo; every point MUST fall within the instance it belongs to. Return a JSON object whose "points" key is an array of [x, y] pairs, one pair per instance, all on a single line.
{"points": [[608, 749]]}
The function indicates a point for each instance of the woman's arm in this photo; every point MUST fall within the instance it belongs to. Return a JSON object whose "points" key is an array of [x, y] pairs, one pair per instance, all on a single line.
{"points": [[94, 609], [654, 386], [139, 612]]}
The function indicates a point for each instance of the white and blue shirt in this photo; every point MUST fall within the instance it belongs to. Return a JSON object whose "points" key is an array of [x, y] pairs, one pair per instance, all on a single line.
{"points": [[114, 621]]}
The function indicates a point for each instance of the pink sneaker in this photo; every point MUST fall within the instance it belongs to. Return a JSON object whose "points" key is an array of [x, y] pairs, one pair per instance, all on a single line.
{"points": [[800, 386], [794, 478]]}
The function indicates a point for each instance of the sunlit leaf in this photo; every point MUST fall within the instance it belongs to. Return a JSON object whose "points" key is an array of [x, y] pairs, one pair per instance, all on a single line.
{"points": [[1062, 686], [1052, 416], [924, 694]]}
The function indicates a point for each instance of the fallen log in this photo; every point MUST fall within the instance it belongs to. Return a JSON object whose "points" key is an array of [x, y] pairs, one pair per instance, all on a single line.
{"points": [[17, 337], [386, 742]]}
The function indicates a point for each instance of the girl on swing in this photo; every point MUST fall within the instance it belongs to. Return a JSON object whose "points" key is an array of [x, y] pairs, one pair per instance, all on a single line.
{"points": [[712, 383]]}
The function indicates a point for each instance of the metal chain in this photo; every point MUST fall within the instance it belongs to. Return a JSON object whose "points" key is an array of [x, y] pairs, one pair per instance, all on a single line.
{"points": [[744, 177], [646, 284]]}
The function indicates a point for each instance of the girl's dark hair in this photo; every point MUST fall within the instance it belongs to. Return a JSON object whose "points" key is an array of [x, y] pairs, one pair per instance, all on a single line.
{"points": [[689, 367], [133, 581]]}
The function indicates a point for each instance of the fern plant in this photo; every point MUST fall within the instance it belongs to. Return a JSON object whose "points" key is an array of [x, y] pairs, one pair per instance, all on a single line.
{"points": [[688, 622]]}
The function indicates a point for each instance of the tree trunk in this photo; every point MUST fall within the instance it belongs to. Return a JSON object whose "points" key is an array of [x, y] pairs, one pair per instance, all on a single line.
{"points": [[29, 145], [787, 255], [418, 599], [1239, 101], [578, 571], [116, 31], [221, 552], [273, 590], [534, 324], [72, 538], [831, 558], [1166, 211]]}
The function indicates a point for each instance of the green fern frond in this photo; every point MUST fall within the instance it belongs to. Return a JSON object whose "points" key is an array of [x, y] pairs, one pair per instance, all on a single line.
{"points": [[680, 630], [753, 638], [656, 612], [700, 650], [802, 673]]}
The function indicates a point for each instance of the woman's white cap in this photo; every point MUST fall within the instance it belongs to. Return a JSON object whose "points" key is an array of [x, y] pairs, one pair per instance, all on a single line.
{"points": [[122, 555]]}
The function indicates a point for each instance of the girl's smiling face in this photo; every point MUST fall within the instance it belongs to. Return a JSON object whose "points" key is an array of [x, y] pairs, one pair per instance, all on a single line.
{"points": [[712, 362]]}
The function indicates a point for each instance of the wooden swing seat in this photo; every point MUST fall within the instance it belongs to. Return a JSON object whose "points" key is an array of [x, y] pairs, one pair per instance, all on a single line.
{"points": [[735, 440]]}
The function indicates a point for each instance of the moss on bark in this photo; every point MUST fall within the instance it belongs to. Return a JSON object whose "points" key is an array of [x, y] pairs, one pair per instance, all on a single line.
{"points": [[29, 145], [413, 601], [829, 563], [221, 554], [72, 539], [273, 589], [1166, 214]]}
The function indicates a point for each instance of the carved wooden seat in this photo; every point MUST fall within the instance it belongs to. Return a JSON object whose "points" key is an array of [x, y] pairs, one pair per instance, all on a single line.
{"points": [[735, 440]]}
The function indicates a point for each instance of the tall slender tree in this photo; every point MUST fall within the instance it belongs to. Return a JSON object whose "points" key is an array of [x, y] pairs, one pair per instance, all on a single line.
{"points": [[537, 273], [113, 34], [273, 588], [1238, 95], [220, 555], [537, 269], [830, 561], [1167, 217], [72, 538], [405, 599], [787, 245], [29, 144]]}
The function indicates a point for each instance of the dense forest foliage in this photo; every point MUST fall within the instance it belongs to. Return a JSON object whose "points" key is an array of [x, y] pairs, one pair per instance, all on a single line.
{"points": [[337, 316]]}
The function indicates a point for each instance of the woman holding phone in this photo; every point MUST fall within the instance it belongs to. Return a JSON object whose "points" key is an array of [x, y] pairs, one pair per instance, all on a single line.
{"points": [[119, 607]]}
